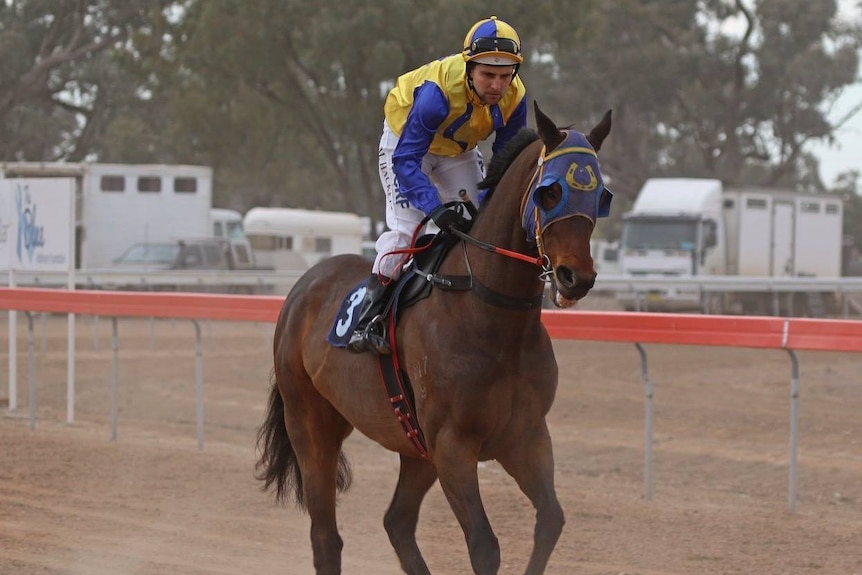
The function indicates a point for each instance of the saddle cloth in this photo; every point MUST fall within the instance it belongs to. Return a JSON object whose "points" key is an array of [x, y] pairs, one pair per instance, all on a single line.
{"points": [[347, 316]]}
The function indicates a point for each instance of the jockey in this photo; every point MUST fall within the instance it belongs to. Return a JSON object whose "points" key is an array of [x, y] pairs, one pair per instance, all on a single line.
{"points": [[435, 117]]}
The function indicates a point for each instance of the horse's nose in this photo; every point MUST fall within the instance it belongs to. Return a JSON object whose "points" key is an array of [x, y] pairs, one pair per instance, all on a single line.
{"points": [[575, 282]]}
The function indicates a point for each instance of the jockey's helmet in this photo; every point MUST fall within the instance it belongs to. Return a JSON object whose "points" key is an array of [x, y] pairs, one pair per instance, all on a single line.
{"points": [[492, 41]]}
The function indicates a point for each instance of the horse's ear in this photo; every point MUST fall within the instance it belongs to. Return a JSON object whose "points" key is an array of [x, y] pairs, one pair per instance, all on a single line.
{"points": [[598, 134], [548, 131]]}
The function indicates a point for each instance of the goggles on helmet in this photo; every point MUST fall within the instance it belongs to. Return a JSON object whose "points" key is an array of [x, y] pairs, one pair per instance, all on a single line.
{"points": [[481, 45]]}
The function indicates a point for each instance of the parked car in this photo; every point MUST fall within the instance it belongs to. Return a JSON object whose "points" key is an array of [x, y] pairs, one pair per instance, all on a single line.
{"points": [[192, 254]]}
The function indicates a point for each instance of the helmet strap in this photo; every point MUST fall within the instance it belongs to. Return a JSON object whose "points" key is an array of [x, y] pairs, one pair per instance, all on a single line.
{"points": [[470, 67]]}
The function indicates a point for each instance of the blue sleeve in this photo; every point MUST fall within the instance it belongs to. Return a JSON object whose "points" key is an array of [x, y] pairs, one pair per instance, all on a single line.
{"points": [[430, 108], [517, 121]]}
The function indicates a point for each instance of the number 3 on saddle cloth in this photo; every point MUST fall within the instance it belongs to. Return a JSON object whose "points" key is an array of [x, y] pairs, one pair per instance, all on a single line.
{"points": [[414, 284]]}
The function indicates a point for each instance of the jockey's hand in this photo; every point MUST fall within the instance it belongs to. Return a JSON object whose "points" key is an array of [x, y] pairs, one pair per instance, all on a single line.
{"points": [[448, 219]]}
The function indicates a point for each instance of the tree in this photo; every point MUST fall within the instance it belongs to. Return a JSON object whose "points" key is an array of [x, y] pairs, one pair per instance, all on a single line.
{"points": [[57, 79], [311, 79], [730, 90]]}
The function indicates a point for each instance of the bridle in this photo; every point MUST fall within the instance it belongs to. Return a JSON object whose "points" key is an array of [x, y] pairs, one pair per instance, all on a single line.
{"points": [[581, 178]]}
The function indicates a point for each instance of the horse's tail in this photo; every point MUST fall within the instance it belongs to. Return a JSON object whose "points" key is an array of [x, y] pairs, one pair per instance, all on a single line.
{"points": [[277, 466]]}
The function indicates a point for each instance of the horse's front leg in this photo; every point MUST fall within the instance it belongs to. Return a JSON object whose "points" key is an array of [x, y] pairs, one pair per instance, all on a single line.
{"points": [[531, 463], [456, 462], [414, 480]]}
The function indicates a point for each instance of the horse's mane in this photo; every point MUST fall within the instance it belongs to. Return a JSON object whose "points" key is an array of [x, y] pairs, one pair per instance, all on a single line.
{"points": [[504, 158]]}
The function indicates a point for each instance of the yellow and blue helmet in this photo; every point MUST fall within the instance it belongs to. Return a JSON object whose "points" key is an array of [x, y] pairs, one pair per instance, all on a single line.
{"points": [[492, 41]]}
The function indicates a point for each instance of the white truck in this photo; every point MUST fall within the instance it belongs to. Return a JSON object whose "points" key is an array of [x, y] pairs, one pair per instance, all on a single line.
{"points": [[684, 227], [117, 205]]}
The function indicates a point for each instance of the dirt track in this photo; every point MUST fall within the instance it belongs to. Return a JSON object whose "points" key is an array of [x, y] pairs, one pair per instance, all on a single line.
{"points": [[74, 502]]}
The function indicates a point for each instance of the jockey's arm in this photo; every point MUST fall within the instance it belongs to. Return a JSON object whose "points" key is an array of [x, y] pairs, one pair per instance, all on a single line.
{"points": [[430, 108]]}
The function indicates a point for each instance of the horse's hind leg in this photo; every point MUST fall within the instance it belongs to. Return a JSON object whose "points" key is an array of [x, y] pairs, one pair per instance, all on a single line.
{"points": [[317, 432], [414, 480], [531, 464]]}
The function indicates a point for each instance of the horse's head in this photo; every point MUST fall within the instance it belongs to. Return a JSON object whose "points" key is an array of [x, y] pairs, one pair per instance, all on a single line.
{"points": [[566, 196]]}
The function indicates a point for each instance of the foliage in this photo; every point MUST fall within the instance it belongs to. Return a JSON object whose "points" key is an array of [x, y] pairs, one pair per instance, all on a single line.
{"points": [[284, 97], [58, 81]]}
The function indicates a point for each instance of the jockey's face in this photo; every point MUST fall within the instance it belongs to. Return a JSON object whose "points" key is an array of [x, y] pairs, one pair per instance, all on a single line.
{"points": [[491, 82]]}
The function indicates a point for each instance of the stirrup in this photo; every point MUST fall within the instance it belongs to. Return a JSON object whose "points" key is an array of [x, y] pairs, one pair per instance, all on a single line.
{"points": [[370, 338]]}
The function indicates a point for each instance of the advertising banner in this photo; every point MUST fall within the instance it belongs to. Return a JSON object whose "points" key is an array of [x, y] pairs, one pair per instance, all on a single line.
{"points": [[37, 224]]}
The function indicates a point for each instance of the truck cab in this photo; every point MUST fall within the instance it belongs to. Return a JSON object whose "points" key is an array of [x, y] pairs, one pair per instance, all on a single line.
{"points": [[675, 229]]}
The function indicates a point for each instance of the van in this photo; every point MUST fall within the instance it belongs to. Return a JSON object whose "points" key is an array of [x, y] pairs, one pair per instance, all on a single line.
{"points": [[279, 235], [226, 224]]}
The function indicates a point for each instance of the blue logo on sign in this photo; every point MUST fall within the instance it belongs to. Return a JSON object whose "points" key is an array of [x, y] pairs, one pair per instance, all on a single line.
{"points": [[30, 235]]}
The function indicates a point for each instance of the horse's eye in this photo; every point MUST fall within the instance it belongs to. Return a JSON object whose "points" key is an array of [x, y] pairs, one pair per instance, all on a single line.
{"points": [[550, 196]]}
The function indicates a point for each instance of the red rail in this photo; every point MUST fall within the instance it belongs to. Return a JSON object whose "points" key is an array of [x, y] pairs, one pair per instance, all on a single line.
{"points": [[143, 304], [684, 329], [692, 329]]}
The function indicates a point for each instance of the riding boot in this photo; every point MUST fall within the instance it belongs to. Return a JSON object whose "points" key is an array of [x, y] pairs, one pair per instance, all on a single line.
{"points": [[370, 333]]}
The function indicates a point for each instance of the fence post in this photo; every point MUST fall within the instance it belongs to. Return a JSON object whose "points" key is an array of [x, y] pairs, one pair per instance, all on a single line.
{"points": [[648, 416], [794, 429]]}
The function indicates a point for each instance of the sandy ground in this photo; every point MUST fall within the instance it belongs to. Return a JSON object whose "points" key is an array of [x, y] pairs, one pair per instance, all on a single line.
{"points": [[72, 501]]}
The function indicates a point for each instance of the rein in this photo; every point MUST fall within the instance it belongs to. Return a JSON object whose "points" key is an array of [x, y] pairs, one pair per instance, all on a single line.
{"points": [[540, 261]]}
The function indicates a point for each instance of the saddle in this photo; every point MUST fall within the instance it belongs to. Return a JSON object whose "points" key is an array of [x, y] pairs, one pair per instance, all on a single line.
{"points": [[417, 281]]}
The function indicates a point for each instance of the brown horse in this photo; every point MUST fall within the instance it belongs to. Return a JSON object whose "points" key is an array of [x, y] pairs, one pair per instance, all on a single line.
{"points": [[480, 362]]}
